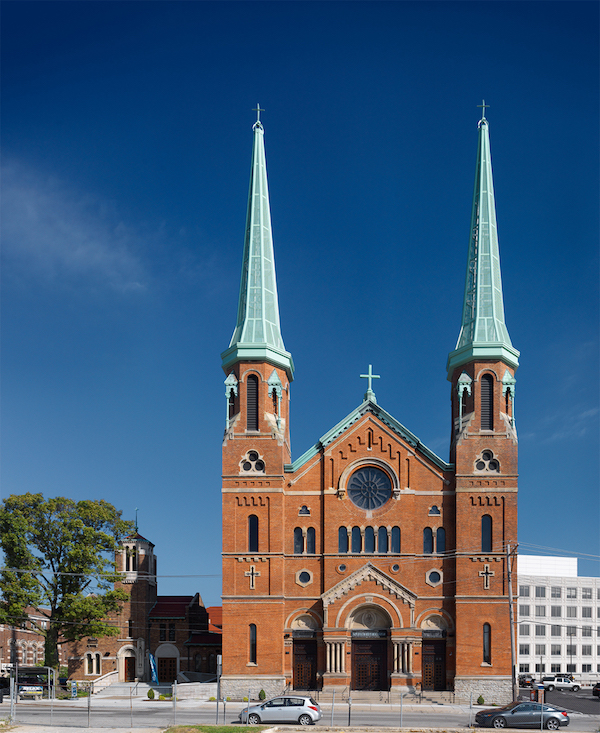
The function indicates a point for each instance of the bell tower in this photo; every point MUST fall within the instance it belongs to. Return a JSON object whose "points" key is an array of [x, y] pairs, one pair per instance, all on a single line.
{"points": [[482, 370], [256, 443]]}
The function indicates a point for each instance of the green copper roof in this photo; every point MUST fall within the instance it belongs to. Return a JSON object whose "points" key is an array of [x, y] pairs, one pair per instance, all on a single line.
{"points": [[257, 335], [483, 334], [372, 407]]}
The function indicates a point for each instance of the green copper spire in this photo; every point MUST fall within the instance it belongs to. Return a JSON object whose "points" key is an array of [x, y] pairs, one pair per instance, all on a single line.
{"points": [[257, 335], [483, 334]]}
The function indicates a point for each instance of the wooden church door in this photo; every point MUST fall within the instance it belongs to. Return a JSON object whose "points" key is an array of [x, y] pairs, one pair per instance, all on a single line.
{"points": [[305, 665]]}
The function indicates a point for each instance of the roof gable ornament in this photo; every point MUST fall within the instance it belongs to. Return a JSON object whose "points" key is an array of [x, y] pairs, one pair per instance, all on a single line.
{"points": [[369, 394], [369, 573]]}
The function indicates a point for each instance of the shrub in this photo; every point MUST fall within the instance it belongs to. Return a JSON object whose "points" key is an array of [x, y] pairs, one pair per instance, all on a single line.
{"points": [[228, 699], [244, 699], [162, 697], [262, 695], [150, 694], [480, 700], [212, 699]]}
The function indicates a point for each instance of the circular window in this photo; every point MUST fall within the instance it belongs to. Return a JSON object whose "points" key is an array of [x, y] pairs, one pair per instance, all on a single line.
{"points": [[494, 466], [247, 466], [304, 576], [253, 455], [342, 568], [434, 577], [259, 466], [395, 568], [487, 455], [369, 488], [480, 466]]}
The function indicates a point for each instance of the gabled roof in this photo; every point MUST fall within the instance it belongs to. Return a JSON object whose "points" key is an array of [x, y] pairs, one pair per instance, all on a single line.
{"points": [[137, 537], [368, 572], [368, 406]]}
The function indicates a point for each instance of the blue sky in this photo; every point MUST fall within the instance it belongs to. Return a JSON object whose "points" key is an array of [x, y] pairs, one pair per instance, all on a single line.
{"points": [[126, 143]]}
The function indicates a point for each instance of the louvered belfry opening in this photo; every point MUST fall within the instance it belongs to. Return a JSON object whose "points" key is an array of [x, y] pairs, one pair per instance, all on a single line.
{"points": [[252, 402], [487, 402]]}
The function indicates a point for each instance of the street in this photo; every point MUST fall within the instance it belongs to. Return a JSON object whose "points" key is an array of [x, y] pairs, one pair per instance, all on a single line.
{"points": [[142, 713]]}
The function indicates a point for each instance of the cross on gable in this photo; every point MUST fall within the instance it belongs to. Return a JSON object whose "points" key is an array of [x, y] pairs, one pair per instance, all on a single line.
{"points": [[252, 574], [486, 574]]}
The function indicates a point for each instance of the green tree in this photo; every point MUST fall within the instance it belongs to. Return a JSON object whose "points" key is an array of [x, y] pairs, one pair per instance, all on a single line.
{"points": [[59, 559]]}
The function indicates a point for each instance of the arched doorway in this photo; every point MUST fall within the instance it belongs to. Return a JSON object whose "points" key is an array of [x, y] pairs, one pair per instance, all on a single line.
{"points": [[369, 629], [167, 663], [304, 635], [434, 652], [126, 657]]}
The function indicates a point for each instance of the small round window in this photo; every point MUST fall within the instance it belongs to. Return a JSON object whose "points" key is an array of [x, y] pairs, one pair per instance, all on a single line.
{"points": [[395, 568], [369, 488], [304, 576], [342, 568], [434, 577]]}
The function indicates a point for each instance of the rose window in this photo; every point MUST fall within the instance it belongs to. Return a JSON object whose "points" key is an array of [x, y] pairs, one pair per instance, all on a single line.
{"points": [[369, 488], [487, 462]]}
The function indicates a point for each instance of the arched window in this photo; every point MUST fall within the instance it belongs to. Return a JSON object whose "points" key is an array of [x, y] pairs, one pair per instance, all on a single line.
{"points": [[298, 541], [487, 402], [440, 540], [486, 533], [342, 539], [310, 541], [427, 541], [369, 539], [253, 533], [487, 644], [252, 402], [382, 539], [356, 539], [97, 659], [252, 644], [396, 540], [89, 663]]}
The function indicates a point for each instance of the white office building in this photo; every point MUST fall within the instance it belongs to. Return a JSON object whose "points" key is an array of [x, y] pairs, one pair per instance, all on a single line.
{"points": [[558, 618]]}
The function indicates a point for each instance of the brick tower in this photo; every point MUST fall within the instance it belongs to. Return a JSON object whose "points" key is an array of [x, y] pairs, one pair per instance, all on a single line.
{"points": [[484, 450], [256, 447]]}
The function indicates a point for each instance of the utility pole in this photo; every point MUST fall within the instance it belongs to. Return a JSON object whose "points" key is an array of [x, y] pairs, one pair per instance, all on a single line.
{"points": [[513, 661]]}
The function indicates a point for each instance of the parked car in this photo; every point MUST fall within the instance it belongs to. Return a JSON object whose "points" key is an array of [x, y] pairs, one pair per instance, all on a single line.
{"points": [[560, 683], [596, 690], [285, 709], [526, 680], [523, 715]]}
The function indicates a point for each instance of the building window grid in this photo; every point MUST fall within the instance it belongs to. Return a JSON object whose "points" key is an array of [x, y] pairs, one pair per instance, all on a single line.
{"points": [[586, 594], [556, 591], [524, 591], [540, 611], [540, 591], [555, 611]]}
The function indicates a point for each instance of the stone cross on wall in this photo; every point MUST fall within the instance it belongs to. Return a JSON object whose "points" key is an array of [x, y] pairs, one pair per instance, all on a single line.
{"points": [[486, 574], [252, 574]]}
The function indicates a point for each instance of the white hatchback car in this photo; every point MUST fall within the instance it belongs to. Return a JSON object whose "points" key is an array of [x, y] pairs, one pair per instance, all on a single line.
{"points": [[285, 709]]}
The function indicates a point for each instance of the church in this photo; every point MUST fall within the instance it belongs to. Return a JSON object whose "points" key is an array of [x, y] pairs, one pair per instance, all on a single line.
{"points": [[369, 562]]}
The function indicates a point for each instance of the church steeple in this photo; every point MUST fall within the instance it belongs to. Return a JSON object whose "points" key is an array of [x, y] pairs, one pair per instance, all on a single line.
{"points": [[483, 333], [257, 335]]}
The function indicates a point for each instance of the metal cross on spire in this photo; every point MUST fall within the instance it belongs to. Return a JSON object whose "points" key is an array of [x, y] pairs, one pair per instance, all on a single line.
{"points": [[258, 110], [484, 105], [369, 394]]}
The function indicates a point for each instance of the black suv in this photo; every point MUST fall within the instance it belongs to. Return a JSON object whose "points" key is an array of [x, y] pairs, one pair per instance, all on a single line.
{"points": [[526, 680]]}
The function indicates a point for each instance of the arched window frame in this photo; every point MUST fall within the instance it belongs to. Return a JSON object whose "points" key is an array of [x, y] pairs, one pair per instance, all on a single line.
{"points": [[487, 402], [396, 545], [298, 541], [369, 540], [487, 533], [382, 540], [252, 402], [487, 644], [343, 540], [427, 541], [440, 540], [311, 545], [252, 644], [356, 540], [252, 533]]}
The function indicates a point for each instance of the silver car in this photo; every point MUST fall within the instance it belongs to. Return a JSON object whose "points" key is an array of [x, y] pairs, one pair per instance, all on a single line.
{"points": [[284, 709], [523, 715]]}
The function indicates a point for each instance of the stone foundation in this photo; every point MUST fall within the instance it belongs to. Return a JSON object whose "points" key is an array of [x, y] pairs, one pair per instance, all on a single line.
{"points": [[239, 687], [494, 690]]}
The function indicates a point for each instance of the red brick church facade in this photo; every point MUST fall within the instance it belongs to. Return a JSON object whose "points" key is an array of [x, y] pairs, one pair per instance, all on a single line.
{"points": [[369, 562]]}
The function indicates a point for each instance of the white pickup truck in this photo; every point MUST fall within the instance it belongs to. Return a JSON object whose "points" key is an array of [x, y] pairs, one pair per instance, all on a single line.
{"points": [[560, 683]]}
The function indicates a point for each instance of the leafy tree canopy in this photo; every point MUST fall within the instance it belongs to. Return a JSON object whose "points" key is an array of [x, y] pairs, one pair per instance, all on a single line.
{"points": [[59, 559]]}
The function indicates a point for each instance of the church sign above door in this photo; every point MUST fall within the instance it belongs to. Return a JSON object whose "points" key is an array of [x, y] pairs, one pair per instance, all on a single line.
{"points": [[434, 633], [304, 634], [362, 634]]}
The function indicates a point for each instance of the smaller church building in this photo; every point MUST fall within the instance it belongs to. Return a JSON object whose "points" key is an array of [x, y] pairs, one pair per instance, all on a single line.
{"points": [[178, 631], [369, 562]]}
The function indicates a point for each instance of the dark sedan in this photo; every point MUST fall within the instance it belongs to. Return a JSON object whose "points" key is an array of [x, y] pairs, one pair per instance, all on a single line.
{"points": [[596, 690], [523, 715]]}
